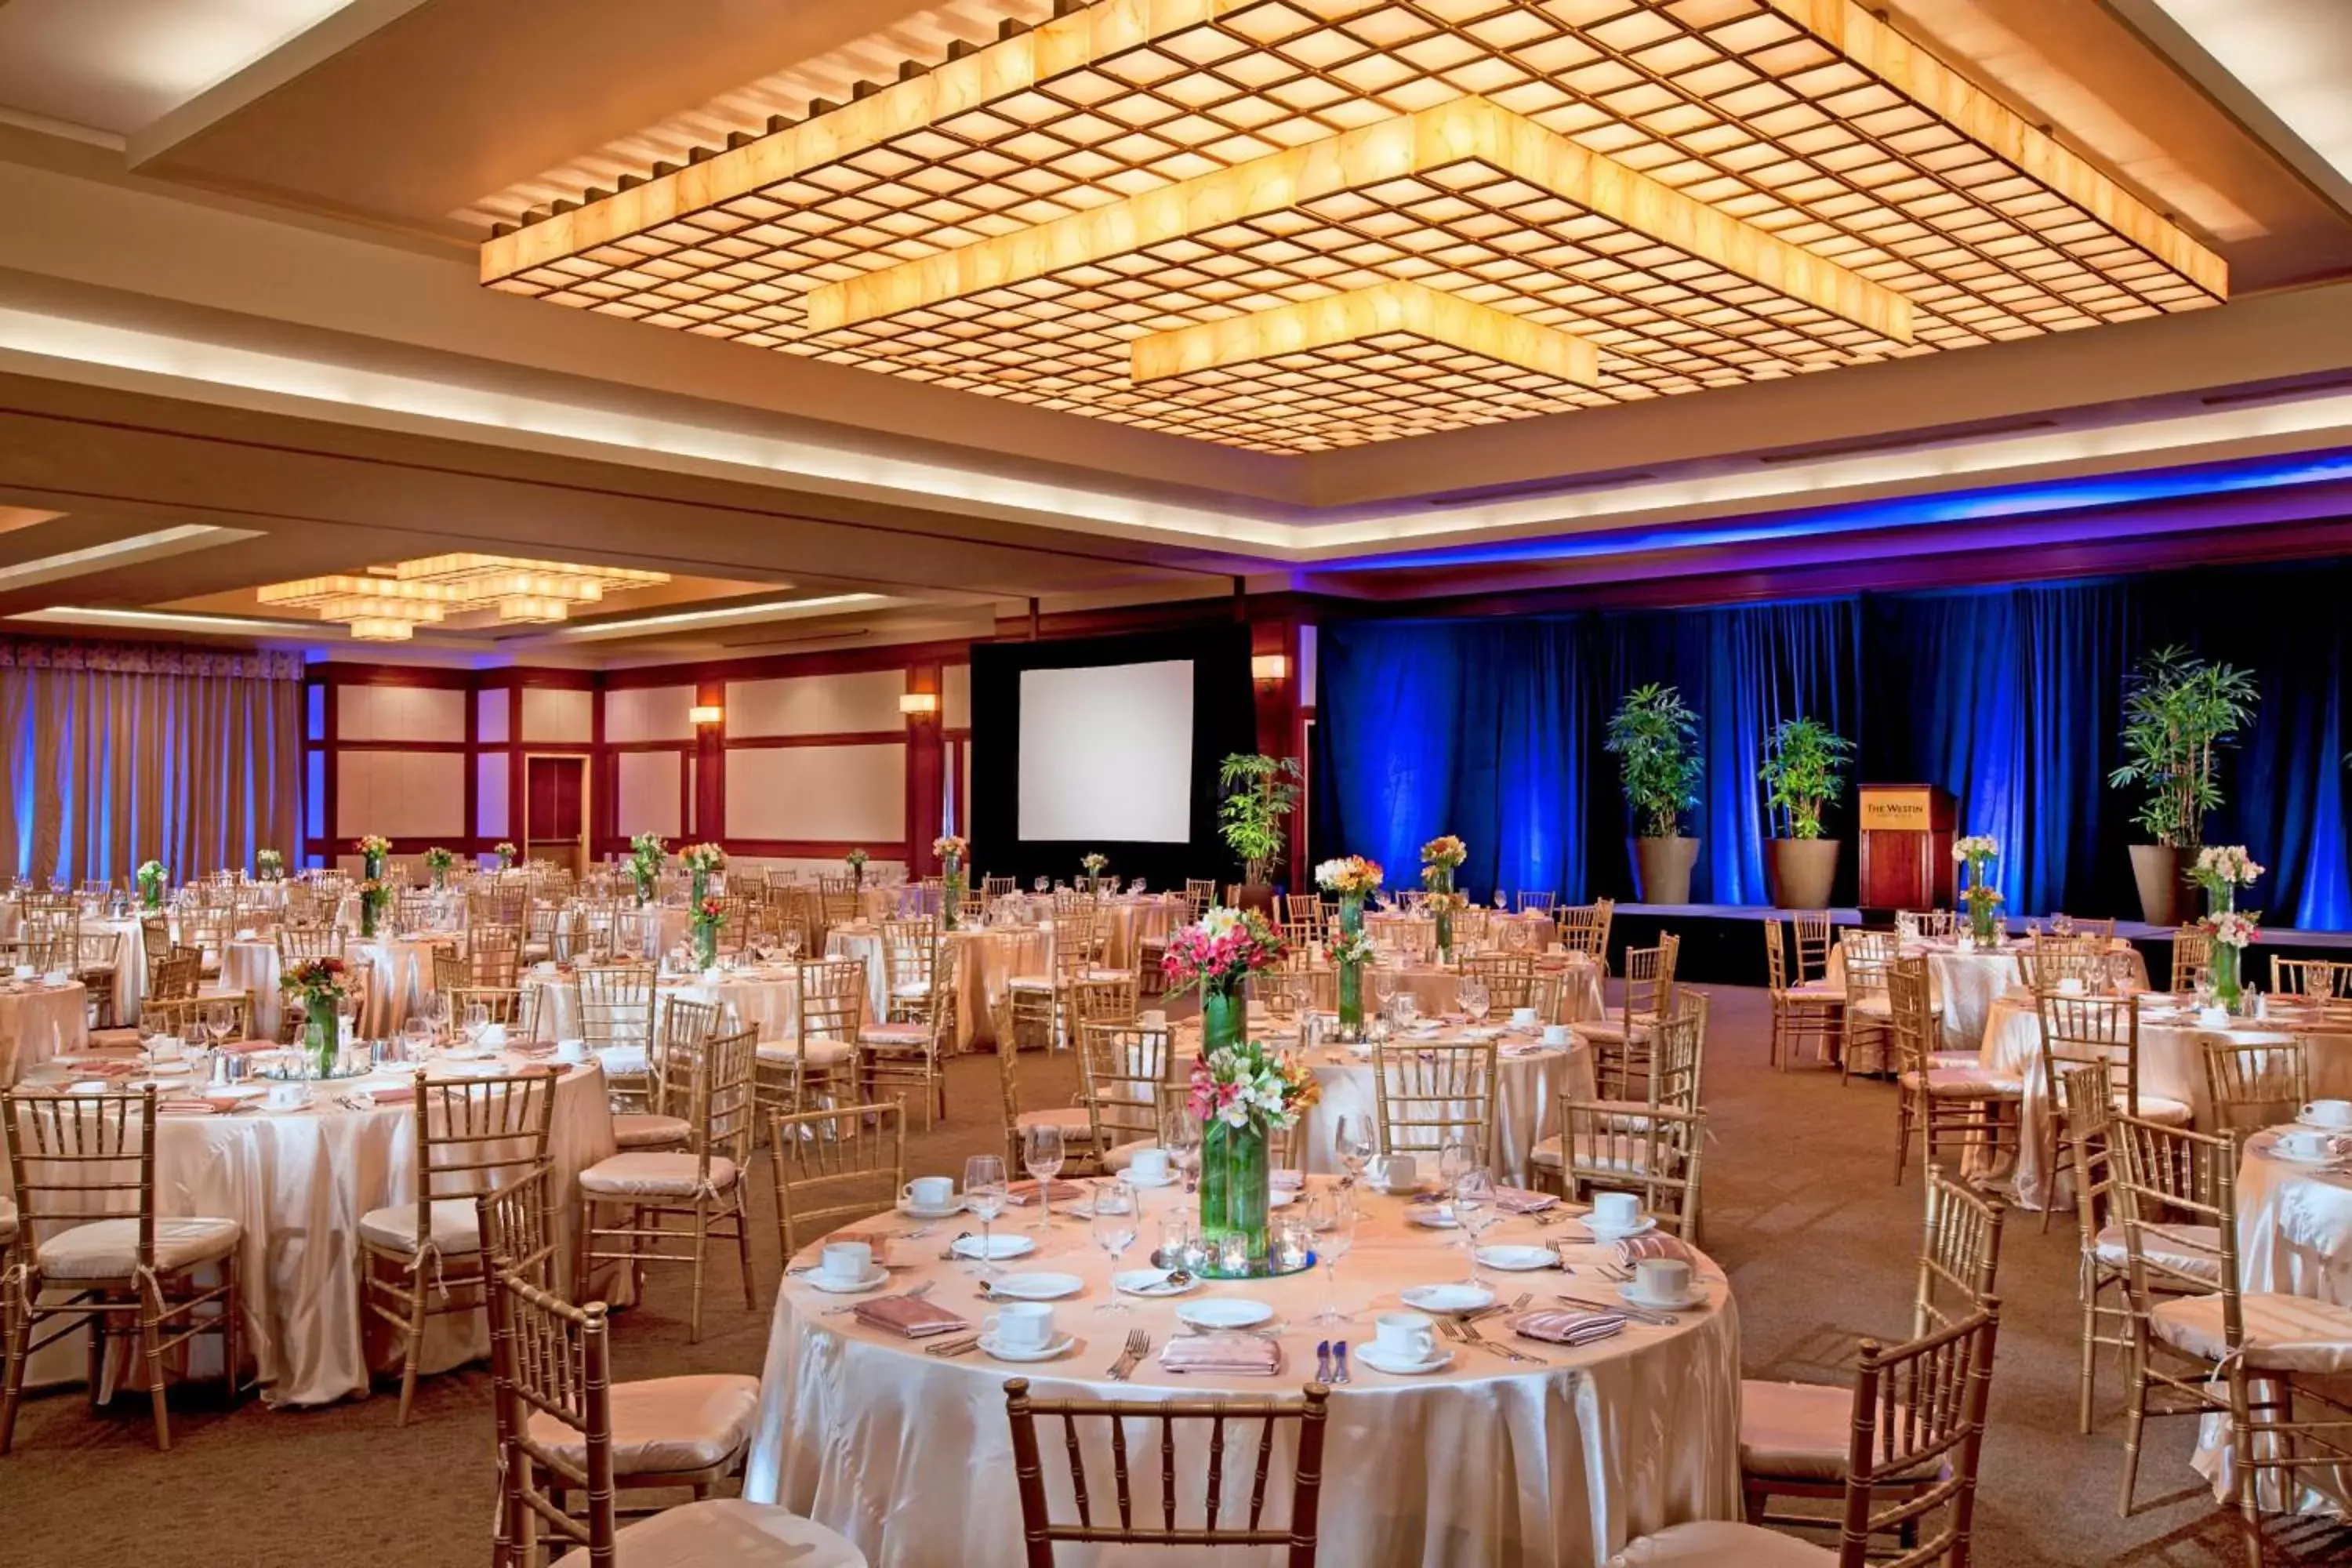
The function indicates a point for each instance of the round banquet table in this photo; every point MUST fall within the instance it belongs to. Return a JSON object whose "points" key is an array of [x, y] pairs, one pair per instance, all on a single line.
{"points": [[1963, 983], [131, 954], [400, 976], [766, 998], [298, 1182], [1483, 1461], [2171, 1067], [987, 959], [1131, 920], [1529, 1078], [39, 1019]]}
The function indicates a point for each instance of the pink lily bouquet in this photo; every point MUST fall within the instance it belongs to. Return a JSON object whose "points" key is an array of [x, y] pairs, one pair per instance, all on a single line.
{"points": [[1248, 1085], [1223, 949]]}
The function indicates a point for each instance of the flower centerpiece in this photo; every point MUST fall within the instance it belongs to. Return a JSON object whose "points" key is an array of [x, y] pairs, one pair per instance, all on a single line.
{"points": [[374, 893], [151, 876], [857, 860], [700, 860], [2222, 869], [1353, 879], [1093, 863], [438, 862], [2233, 931], [646, 853], [705, 916], [318, 981], [1242, 1093], [1219, 951], [951, 848], [373, 850], [1439, 859], [268, 866], [1976, 853], [505, 850]]}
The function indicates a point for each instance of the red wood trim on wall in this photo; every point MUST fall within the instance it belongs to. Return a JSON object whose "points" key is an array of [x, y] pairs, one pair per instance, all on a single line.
{"points": [[783, 666], [839, 738], [403, 746]]}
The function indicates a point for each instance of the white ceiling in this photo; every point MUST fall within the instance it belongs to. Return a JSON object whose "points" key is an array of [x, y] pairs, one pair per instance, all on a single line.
{"points": [[2296, 56], [118, 65]]}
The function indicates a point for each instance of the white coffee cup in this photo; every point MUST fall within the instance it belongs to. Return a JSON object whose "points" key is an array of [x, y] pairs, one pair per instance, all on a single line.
{"points": [[1153, 1019], [1404, 1336], [1523, 1017], [2327, 1113], [1148, 1166], [846, 1261], [494, 1038], [544, 966], [2305, 1144], [930, 1192], [1021, 1325], [286, 1095], [565, 1050], [1662, 1278], [2070, 985], [1556, 947], [24, 971], [1615, 1211], [1558, 1035], [1399, 1172]]}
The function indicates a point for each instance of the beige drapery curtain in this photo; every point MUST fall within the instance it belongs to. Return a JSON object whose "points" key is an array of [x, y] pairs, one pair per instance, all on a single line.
{"points": [[118, 753]]}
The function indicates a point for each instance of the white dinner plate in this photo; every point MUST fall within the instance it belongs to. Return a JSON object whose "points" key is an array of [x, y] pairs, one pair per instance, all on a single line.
{"points": [[1037, 1286], [1371, 1356], [1518, 1259], [1152, 1282], [1697, 1297], [1063, 1344], [840, 1287], [1226, 1312], [1447, 1298], [1000, 1247]]}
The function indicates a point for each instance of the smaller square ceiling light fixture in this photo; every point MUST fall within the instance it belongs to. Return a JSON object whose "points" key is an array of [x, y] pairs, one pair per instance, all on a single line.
{"points": [[386, 604]]}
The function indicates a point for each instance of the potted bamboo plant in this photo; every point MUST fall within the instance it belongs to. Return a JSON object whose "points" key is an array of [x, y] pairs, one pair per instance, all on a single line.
{"points": [[1654, 735], [1803, 772], [1261, 792], [2180, 710]]}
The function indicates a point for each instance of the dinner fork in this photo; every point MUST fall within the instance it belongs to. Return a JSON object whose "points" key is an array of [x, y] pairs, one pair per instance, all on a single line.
{"points": [[1509, 1352], [1139, 1345]]}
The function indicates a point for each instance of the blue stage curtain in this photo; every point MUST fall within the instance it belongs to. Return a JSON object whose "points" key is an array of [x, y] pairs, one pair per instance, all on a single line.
{"points": [[2011, 698]]}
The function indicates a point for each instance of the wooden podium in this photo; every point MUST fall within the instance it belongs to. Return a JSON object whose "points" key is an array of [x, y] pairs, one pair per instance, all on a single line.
{"points": [[1906, 847]]}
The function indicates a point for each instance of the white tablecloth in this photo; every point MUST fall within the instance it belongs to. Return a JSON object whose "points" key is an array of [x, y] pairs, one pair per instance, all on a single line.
{"points": [[298, 1183], [1485, 1461], [767, 1000], [400, 976], [1527, 1104], [1964, 984], [37, 1021]]}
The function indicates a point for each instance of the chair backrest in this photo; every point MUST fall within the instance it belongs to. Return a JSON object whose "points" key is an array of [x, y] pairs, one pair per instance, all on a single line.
{"points": [[2088, 1102], [1430, 1096], [2176, 1192], [303, 943], [1812, 944], [553, 1359], [517, 1224], [75, 1157], [1123, 1067], [1650, 978], [680, 1023], [717, 1075], [1867, 955], [2314, 977], [183, 1015], [99, 950], [451, 973], [1960, 1258], [1918, 1409], [1911, 1014], [1656, 1154], [514, 1007], [832, 999], [1678, 1052], [2090, 1031], [49, 942], [475, 1135], [1104, 999], [1510, 978], [494, 952], [2047, 962], [837, 1165], [616, 1004], [910, 950], [2254, 1084], [1937, 924], [1199, 892], [1776, 957], [1541, 902], [1234, 1456], [2192, 957]]}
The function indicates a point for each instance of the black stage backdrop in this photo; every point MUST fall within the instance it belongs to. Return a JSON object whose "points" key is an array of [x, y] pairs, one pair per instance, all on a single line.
{"points": [[1224, 722]]}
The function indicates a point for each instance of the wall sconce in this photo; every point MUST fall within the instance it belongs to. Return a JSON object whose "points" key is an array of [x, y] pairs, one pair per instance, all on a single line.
{"points": [[919, 704], [1270, 668], [703, 714]]}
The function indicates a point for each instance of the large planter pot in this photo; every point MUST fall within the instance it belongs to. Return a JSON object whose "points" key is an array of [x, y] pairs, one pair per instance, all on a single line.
{"points": [[2157, 869], [1259, 896], [1803, 871], [1661, 870]]}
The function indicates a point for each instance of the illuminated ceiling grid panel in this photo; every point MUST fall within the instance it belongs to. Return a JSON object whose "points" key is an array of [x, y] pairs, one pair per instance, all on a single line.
{"points": [[1731, 102]]}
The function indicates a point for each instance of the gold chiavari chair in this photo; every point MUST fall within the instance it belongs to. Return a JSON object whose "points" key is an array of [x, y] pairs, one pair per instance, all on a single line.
{"points": [[494, 954], [171, 976], [1123, 1068], [422, 1258], [517, 1224], [49, 944], [1510, 978], [1936, 925], [451, 972], [818, 1065], [2313, 977], [1199, 892], [1076, 1125], [1800, 1014], [2212, 1347], [2101, 1262], [1428, 1095], [184, 1016], [2101, 1032], [835, 1167], [994, 888], [1102, 998], [1228, 1423], [663, 1123], [1027, 1017], [1584, 928], [1914, 1431], [208, 933], [96, 963], [1302, 931], [131, 1274], [1541, 904], [413, 910], [701, 1187], [1795, 1437], [617, 1014], [1958, 1109], [2074, 927], [303, 943], [912, 1052], [1866, 957], [2192, 958], [1815, 940], [513, 1008], [1657, 1156], [910, 950], [155, 934], [837, 901], [2255, 1084], [1618, 1045], [2046, 963]]}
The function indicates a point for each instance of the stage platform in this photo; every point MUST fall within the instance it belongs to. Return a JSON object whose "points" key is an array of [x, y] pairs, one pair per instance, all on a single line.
{"points": [[1723, 945]]}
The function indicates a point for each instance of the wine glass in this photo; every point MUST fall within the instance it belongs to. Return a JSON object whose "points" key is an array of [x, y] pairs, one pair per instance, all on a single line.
{"points": [[1118, 1216], [1384, 985], [347, 1014], [1475, 1210], [792, 940], [2319, 983], [1040, 884], [984, 1198], [436, 1016], [476, 1024], [1473, 996], [1452, 1161], [1180, 1134], [1502, 901], [416, 1037], [1356, 1140], [1332, 1218], [1041, 1156]]}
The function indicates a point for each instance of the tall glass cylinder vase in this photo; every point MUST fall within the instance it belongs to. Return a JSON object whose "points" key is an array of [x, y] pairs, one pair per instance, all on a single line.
{"points": [[950, 892], [1351, 1000], [1444, 888], [706, 944], [698, 886], [2227, 990], [2220, 898], [321, 1038], [367, 916], [1351, 912], [1223, 1019], [372, 866], [1236, 1195]]}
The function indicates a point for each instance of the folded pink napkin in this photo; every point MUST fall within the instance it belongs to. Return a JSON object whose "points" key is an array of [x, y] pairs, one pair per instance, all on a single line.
{"points": [[1232, 1355], [1634, 1248], [183, 1108], [1026, 1191], [1523, 1200], [392, 1093], [915, 1317], [125, 1069], [1563, 1327], [1287, 1180]]}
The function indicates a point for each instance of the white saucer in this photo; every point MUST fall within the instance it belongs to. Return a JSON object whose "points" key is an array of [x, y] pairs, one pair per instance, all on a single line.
{"points": [[911, 1212], [1002, 1351], [1152, 1282], [1604, 1233], [2279, 1150], [1447, 1298], [1133, 1180], [1000, 1247], [1518, 1259], [1227, 1312], [1036, 1287], [1370, 1356], [824, 1281], [2336, 1130], [1697, 1297]]}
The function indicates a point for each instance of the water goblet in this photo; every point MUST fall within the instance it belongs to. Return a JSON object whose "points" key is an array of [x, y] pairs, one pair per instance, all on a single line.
{"points": [[415, 1038], [1335, 1235], [476, 1024], [984, 1198], [1474, 997], [1041, 1156], [1357, 1140], [1117, 1219], [1475, 1210]]}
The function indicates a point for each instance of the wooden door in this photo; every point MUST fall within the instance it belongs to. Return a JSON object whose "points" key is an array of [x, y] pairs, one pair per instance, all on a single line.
{"points": [[555, 815]]}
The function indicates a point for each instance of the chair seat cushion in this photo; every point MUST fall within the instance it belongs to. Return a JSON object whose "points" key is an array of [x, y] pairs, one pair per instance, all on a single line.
{"points": [[666, 1425], [2156, 1109], [1627, 1160], [911, 990], [109, 1248], [903, 1037], [1872, 1005], [2283, 1334], [1110, 974], [646, 1174], [1029, 982], [1713, 1543], [1546, 1152], [1819, 990], [623, 1062], [638, 1130], [1948, 1060], [1119, 1156], [456, 1229], [7, 1219], [2113, 1251], [1965, 1083], [1799, 1431], [819, 1053], [1071, 1119], [730, 1531]]}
